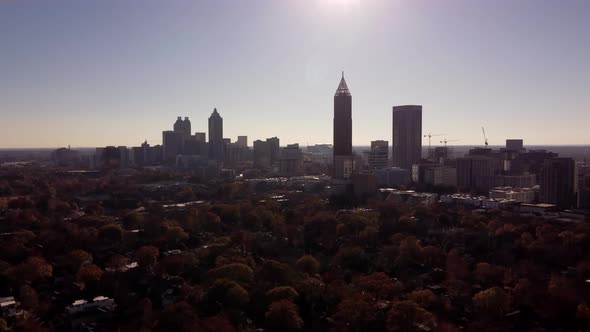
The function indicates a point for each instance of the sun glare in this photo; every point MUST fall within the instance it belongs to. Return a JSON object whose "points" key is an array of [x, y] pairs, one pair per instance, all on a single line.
{"points": [[340, 3]]}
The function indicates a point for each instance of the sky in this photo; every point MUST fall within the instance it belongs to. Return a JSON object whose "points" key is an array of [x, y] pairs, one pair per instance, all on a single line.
{"points": [[115, 72]]}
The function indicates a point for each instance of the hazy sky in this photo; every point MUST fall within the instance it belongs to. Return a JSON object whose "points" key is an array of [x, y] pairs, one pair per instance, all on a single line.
{"points": [[116, 72]]}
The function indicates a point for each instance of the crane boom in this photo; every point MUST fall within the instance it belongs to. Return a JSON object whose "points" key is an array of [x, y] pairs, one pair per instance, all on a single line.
{"points": [[484, 135], [430, 136]]}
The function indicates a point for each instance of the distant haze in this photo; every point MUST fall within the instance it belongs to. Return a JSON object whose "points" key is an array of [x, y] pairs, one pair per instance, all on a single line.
{"points": [[111, 72]]}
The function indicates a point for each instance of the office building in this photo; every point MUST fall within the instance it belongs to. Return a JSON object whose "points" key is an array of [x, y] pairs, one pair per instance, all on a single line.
{"points": [[392, 177], [364, 185], [441, 154], [261, 154], [275, 149], [291, 160], [201, 137], [378, 157], [472, 171], [243, 141], [406, 142], [559, 182], [515, 145], [183, 126], [140, 155], [216, 136], [173, 145], [343, 158]]}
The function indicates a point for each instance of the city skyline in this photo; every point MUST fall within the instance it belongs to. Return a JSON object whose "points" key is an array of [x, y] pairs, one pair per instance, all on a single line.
{"points": [[125, 70]]}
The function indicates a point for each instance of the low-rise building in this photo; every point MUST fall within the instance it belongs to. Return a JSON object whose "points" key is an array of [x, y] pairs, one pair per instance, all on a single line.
{"points": [[521, 195], [392, 177], [541, 208]]}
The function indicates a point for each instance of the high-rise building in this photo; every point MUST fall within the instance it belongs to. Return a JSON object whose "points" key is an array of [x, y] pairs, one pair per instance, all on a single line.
{"points": [[183, 126], [343, 158], [140, 154], [379, 155], [261, 154], [407, 135], [291, 160], [559, 182], [441, 154], [216, 136], [243, 141], [515, 145], [275, 149], [201, 137], [474, 170], [173, 142]]}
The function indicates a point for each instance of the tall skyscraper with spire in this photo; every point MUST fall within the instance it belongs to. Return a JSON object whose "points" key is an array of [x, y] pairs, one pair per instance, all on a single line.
{"points": [[216, 136], [343, 158]]}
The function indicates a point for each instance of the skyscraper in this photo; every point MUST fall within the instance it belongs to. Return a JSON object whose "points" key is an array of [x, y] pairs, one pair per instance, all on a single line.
{"points": [[173, 143], [343, 159], [243, 141], [559, 182], [407, 135], [261, 153], [183, 126], [216, 136], [515, 145], [275, 149], [379, 155]]}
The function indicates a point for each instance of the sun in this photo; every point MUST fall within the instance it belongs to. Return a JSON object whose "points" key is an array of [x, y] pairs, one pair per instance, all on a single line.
{"points": [[340, 3]]}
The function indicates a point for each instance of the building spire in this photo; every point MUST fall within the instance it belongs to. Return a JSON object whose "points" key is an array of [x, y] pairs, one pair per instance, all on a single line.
{"points": [[343, 87]]}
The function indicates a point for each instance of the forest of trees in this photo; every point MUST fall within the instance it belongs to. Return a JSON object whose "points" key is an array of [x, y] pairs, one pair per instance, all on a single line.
{"points": [[242, 261]]}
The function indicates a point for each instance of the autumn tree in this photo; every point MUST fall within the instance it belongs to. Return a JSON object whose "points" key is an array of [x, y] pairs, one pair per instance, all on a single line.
{"points": [[117, 262], [77, 258], [89, 273], [29, 298], [147, 257], [217, 323], [276, 273], [282, 293], [409, 316], [283, 315], [355, 313], [424, 297], [308, 264], [111, 233], [178, 317], [380, 286], [228, 293], [175, 235], [33, 269], [493, 300], [235, 271], [456, 266], [488, 274]]}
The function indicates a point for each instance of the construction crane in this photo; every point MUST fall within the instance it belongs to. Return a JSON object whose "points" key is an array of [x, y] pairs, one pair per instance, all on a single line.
{"points": [[445, 141], [430, 136], [484, 136]]}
